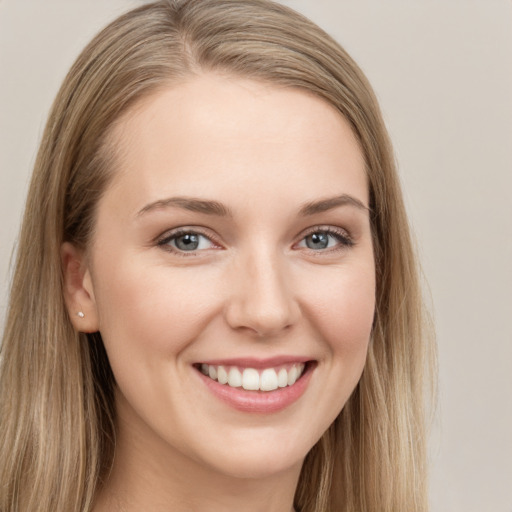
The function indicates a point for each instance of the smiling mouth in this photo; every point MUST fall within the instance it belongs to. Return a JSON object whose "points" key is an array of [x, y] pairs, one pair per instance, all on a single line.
{"points": [[252, 379]]}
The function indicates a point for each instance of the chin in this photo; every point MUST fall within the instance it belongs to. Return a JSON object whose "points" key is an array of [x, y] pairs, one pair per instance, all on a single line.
{"points": [[258, 466], [260, 454]]}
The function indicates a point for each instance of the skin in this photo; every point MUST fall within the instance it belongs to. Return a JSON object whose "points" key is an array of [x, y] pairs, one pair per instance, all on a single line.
{"points": [[253, 288]]}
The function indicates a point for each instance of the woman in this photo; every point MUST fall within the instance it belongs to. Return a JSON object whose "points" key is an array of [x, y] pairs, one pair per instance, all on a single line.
{"points": [[216, 303]]}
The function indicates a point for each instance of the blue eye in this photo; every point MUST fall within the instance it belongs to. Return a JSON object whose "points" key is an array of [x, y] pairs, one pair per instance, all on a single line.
{"points": [[325, 239], [186, 241]]}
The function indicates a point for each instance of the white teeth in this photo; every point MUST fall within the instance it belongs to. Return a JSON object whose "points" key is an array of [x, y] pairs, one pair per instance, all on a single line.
{"points": [[292, 375], [282, 378], [234, 378], [222, 375], [268, 380], [251, 379]]}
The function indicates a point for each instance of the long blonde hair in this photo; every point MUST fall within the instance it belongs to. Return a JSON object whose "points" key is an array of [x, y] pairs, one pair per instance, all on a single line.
{"points": [[57, 430]]}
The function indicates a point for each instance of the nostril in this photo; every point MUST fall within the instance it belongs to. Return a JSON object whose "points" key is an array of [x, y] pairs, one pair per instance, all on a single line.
{"points": [[264, 327]]}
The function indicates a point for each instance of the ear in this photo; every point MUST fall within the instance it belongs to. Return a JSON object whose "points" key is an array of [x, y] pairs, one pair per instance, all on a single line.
{"points": [[78, 289]]}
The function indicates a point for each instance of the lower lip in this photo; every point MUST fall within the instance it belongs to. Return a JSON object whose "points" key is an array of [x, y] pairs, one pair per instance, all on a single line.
{"points": [[262, 402]]}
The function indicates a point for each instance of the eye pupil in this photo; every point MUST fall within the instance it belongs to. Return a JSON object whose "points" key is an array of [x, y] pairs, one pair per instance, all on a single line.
{"points": [[188, 242], [317, 241]]}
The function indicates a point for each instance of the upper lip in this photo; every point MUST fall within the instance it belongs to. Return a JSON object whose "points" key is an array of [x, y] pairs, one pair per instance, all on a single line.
{"points": [[257, 363]]}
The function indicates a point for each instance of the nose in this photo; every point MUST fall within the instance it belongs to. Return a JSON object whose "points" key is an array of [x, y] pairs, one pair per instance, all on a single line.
{"points": [[261, 300]]}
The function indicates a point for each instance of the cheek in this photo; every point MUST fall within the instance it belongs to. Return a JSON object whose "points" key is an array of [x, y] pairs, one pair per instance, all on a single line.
{"points": [[343, 305], [152, 309]]}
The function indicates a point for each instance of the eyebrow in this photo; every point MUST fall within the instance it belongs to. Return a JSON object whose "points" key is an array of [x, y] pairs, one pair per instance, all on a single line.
{"points": [[332, 202], [215, 208], [189, 203]]}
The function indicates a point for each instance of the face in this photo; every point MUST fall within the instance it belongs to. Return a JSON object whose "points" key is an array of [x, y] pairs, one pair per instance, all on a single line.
{"points": [[231, 273]]}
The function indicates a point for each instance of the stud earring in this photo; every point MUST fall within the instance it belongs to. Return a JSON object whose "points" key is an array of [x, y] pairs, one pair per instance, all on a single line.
{"points": [[80, 314]]}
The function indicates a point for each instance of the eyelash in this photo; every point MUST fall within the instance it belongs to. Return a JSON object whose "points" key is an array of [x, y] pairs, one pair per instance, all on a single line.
{"points": [[164, 242], [345, 241]]}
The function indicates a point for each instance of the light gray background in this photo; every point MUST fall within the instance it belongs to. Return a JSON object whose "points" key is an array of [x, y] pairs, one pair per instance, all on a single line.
{"points": [[442, 70]]}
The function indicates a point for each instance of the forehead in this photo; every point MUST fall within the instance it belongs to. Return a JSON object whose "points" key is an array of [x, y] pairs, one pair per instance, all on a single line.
{"points": [[216, 134]]}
